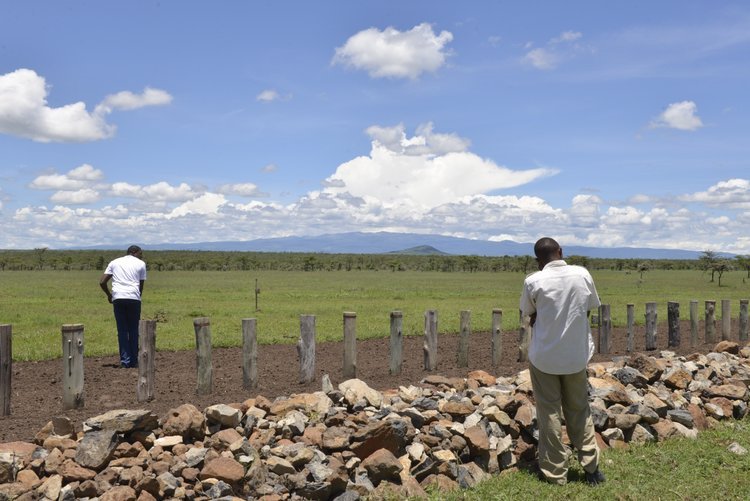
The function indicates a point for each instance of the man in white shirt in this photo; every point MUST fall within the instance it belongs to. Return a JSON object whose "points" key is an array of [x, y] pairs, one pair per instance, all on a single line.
{"points": [[128, 273], [559, 298]]}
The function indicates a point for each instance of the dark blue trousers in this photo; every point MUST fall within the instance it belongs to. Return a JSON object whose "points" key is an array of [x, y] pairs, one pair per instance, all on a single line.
{"points": [[127, 316]]}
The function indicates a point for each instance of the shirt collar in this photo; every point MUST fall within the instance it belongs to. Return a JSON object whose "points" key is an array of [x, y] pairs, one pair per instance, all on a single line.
{"points": [[555, 264]]}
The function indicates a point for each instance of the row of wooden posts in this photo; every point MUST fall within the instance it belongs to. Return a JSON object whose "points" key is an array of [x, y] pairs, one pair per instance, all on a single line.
{"points": [[72, 344]]}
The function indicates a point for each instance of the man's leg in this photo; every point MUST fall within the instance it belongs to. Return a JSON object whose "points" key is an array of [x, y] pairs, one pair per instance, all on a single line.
{"points": [[134, 316], [553, 457], [121, 319], [580, 426]]}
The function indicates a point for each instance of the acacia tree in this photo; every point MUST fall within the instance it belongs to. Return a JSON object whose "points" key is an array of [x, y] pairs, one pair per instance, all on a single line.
{"points": [[744, 263], [708, 261]]}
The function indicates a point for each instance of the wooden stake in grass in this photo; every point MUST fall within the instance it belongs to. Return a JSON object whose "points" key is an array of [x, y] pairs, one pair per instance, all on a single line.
{"points": [[144, 390], [462, 359], [726, 319], [205, 374], [497, 336], [430, 340], [249, 354], [650, 326], [693, 322], [306, 349], [6, 367], [743, 320], [673, 320], [72, 381], [350, 345], [631, 331], [397, 342], [710, 321]]}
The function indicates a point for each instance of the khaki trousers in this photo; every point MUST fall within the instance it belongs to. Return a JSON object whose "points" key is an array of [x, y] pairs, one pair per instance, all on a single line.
{"points": [[568, 393]]}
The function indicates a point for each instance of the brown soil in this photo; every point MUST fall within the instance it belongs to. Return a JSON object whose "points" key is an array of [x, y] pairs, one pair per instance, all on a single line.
{"points": [[37, 386]]}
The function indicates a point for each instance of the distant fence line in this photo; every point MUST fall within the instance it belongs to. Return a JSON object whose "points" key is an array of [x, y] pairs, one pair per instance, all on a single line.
{"points": [[73, 346]]}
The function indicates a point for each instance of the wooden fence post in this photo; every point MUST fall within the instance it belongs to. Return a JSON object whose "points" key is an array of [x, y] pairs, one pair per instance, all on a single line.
{"points": [[524, 334], [497, 336], [631, 331], [673, 319], [726, 319], [249, 354], [693, 322], [397, 342], [306, 348], [6, 367], [144, 390], [430, 340], [710, 321], [72, 381], [605, 329], [350, 345], [205, 371], [743, 320], [463, 344], [650, 326]]}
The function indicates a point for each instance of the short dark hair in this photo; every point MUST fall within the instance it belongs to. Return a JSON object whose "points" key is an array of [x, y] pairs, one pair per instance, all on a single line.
{"points": [[545, 248], [133, 250]]}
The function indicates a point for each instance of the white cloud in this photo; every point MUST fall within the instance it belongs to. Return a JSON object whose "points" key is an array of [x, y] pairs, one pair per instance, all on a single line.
{"points": [[567, 36], [241, 189], [555, 52], [422, 172], [733, 193], [680, 116], [269, 168], [24, 111], [160, 191], [268, 95], [75, 179], [84, 196], [395, 54], [541, 59], [206, 204]]}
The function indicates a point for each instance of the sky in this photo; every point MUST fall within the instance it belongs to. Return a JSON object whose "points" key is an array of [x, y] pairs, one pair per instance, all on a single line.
{"points": [[602, 124]]}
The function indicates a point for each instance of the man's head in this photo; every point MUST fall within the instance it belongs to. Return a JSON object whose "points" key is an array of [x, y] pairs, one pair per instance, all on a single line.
{"points": [[136, 251], [546, 250]]}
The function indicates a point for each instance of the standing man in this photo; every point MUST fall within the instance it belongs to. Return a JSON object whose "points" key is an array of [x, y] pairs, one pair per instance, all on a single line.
{"points": [[128, 273], [559, 298]]}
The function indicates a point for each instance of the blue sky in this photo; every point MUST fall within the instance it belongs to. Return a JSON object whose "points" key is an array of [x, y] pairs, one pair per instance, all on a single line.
{"points": [[598, 123]]}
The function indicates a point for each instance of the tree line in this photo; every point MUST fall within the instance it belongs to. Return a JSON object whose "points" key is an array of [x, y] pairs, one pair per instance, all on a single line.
{"points": [[172, 260]]}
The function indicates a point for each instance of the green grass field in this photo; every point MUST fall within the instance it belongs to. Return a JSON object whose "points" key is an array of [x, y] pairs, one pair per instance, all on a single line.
{"points": [[38, 303]]}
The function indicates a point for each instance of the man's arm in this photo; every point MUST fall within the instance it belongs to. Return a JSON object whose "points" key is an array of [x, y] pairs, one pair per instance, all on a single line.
{"points": [[140, 286], [103, 281]]}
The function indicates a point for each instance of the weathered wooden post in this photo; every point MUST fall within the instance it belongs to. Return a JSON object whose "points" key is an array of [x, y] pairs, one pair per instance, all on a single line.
{"points": [[249, 354], [524, 335], [673, 319], [306, 348], [710, 321], [144, 390], [605, 329], [430, 340], [205, 371], [350, 345], [630, 329], [743, 320], [726, 319], [72, 381], [463, 344], [693, 322], [650, 326], [497, 336], [6, 367], [397, 342]]}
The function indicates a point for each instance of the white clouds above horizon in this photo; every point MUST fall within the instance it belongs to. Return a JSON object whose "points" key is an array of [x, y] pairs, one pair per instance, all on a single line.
{"points": [[24, 111], [681, 116], [554, 52], [395, 54]]}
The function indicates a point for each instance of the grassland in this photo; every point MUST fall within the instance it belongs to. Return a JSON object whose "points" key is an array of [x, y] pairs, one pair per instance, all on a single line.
{"points": [[38, 303]]}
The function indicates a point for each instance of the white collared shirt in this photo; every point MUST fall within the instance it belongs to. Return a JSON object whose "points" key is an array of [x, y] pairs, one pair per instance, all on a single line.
{"points": [[561, 295], [127, 273]]}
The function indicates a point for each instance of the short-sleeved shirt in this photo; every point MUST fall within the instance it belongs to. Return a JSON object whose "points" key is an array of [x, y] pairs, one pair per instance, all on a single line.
{"points": [[127, 273], [561, 295]]}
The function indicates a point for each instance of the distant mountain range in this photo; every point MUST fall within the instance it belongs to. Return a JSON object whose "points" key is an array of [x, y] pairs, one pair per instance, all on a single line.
{"points": [[412, 243]]}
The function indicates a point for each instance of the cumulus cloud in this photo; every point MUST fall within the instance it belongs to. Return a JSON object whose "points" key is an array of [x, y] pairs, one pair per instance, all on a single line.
{"points": [[80, 177], [681, 116], [25, 112], [425, 171], [161, 191], [555, 51], [206, 205], [84, 196], [241, 189], [268, 95], [395, 54], [733, 193]]}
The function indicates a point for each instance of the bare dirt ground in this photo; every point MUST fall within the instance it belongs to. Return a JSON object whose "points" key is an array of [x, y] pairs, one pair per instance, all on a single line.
{"points": [[37, 386]]}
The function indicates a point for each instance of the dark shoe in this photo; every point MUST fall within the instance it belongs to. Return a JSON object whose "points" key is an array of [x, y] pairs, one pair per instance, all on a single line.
{"points": [[595, 478]]}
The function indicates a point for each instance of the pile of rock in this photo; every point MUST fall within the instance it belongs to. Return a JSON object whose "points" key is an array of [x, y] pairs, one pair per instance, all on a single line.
{"points": [[345, 442]]}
